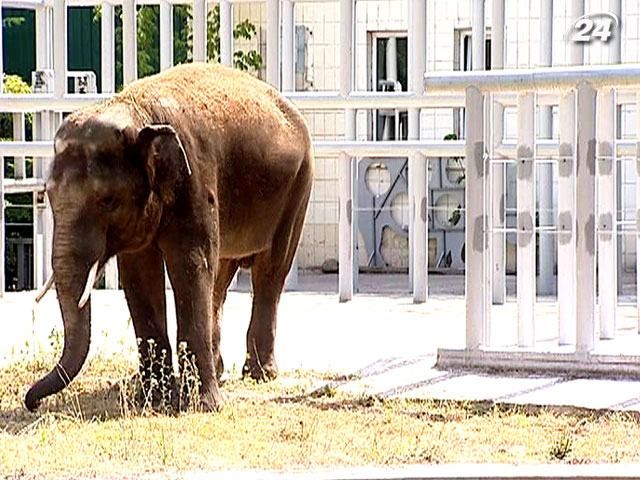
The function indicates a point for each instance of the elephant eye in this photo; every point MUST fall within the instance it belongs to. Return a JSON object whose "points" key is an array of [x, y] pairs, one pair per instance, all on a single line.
{"points": [[108, 203]]}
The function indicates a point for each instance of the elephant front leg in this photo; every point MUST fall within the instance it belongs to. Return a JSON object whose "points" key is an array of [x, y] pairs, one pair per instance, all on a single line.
{"points": [[191, 271], [142, 278]]}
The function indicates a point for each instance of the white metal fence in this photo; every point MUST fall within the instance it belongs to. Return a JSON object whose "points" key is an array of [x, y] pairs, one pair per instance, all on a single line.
{"points": [[582, 233]]}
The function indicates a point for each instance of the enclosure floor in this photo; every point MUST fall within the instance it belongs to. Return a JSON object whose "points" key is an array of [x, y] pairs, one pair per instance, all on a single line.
{"points": [[382, 342]]}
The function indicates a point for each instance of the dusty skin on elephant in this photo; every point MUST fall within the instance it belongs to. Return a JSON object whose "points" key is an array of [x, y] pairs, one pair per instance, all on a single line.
{"points": [[201, 167]]}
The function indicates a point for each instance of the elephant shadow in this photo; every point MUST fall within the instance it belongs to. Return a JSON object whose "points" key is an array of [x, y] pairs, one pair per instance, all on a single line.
{"points": [[109, 402]]}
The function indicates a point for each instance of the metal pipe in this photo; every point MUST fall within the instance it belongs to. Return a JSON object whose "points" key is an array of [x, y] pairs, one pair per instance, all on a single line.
{"points": [[552, 78], [107, 52], [288, 46], [199, 30], [226, 33], [59, 48], [576, 49], [477, 35], [166, 35], [273, 42], [346, 222], [129, 42]]}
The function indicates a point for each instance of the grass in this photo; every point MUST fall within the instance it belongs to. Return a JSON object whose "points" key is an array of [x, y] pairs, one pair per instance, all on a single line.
{"points": [[94, 428]]}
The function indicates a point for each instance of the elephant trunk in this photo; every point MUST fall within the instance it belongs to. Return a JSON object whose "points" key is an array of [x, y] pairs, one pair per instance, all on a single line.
{"points": [[71, 275]]}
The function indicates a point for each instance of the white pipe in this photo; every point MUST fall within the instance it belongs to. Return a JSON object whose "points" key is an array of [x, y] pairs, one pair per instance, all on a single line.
{"points": [[288, 46], [60, 48], [273, 43], [166, 35], [552, 78], [476, 309], [477, 35], [418, 169], [615, 42], [107, 54], [566, 222], [585, 209], [607, 212], [346, 222], [199, 30], [226, 33], [129, 42], [576, 49], [546, 283], [526, 204], [496, 214]]}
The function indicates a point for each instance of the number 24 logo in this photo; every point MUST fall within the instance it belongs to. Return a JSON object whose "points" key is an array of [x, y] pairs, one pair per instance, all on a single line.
{"points": [[595, 25]]}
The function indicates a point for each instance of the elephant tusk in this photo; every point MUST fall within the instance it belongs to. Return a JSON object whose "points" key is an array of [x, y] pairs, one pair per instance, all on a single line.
{"points": [[91, 279], [44, 289]]}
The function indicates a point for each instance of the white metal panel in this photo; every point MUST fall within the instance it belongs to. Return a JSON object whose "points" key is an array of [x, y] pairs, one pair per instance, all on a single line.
{"points": [[607, 212], [526, 205], [566, 222], [585, 217]]}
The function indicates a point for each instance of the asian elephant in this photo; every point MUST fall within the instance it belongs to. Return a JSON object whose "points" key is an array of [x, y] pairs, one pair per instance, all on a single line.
{"points": [[202, 168]]}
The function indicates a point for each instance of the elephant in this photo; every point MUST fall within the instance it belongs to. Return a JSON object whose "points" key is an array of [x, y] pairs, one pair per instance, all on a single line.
{"points": [[201, 168]]}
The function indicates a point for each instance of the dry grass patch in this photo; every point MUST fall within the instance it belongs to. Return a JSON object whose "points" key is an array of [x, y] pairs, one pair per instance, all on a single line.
{"points": [[94, 428]]}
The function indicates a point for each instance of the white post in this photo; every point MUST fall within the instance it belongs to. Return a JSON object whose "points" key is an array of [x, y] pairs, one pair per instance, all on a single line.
{"points": [[585, 217], [226, 33], [567, 221], [576, 49], [477, 35], [59, 48], [607, 212], [476, 311], [346, 222], [129, 42], [107, 54], [418, 162], [638, 208], [2, 229], [199, 30], [166, 35], [288, 72], [497, 210], [545, 285], [526, 204], [615, 42], [19, 135], [273, 42]]}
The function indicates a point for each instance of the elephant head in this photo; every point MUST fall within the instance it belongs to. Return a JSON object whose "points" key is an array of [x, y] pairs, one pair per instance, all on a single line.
{"points": [[108, 187]]}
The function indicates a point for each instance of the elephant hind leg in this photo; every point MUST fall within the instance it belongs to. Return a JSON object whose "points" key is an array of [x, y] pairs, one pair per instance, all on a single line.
{"points": [[268, 275], [227, 268]]}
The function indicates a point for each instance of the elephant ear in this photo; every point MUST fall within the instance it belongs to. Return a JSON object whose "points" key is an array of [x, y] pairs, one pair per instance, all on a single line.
{"points": [[164, 158]]}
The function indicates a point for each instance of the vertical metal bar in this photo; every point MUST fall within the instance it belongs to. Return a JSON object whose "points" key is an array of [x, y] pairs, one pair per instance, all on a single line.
{"points": [[567, 221], [585, 217], [19, 135], [526, 204], [607, 211], [288, 46], [474, 219], [345, 168], [418, 163], [166, 35], [497, 212], [129, 42], [477, 35], [576, 49], [60, 47], [199, 30], [273, 42], [288, 72], [226, 33], [546, 284], [107, 54]]}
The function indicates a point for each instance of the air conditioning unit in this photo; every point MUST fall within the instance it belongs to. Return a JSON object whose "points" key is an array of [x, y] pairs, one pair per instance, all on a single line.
{"points": [[83, 82], [42, 81]]}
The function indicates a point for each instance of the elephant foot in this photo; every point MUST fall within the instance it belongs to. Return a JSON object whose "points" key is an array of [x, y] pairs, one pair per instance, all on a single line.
{"points": [[259, 371], [211, 401], [219, 366]]}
